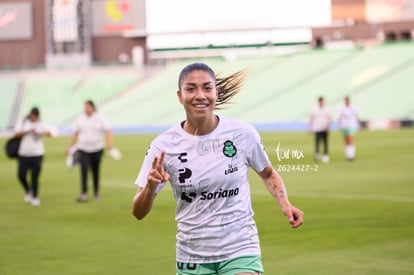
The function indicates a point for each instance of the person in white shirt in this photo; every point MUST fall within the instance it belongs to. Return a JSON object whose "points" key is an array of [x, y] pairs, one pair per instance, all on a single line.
{"points": [[206, 159], [30, 153], [348, 122], [90, 131], [319, 124]]}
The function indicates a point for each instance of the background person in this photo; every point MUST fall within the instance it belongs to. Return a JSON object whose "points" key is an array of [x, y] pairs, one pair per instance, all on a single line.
{"points": [[206, 159], [30, 153], [348, 122], [319, 124], [90, 131]]}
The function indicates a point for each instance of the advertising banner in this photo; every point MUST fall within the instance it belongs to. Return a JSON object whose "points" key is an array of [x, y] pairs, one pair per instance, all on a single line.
{"points": [[16, 21], [112, 17], [377, 11]]}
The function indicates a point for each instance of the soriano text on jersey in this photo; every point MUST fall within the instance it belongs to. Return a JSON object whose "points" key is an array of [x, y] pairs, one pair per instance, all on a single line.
{"points": [[219, 194]]}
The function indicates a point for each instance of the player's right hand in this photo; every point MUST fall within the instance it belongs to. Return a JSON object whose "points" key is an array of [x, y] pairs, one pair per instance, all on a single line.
{"points": [[157, 174]]}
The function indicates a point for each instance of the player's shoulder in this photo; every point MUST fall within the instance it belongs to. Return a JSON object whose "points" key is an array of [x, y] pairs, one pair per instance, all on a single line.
{"points": [[355, 109], [232, 123], [168, 136], [81, 116], [229, 121], [99, 116], [316, 110]]}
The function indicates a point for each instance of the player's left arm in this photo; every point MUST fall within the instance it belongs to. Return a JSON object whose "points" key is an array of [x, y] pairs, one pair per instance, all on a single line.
{"points": [[276, 187], [109, 139], [328, 124]]}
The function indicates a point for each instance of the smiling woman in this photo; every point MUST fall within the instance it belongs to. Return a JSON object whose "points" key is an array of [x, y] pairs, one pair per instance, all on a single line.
{"points": [[206, 158], [200, 91], [199, 77]]}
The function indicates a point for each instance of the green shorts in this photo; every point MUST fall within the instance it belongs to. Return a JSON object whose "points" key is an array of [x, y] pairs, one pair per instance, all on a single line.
{"points": [[234, 266], [349, 131]]}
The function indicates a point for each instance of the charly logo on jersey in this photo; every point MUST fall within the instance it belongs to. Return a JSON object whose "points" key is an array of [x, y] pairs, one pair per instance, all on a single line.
{"points": [[229, 149], [183, 157]]}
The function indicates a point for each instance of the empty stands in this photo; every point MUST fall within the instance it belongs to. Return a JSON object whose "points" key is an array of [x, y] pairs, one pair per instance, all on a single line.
{"points": [[278, 88]]}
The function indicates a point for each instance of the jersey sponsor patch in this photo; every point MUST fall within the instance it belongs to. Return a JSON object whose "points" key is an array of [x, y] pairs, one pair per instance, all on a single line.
{"points": [[219, 194], [184, 173], [205, 195]]}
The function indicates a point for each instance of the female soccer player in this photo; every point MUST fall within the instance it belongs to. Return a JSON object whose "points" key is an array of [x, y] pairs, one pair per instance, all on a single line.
{"points": [[206, 159], [319, 124], [91, 129], [30, 154], [349, 123]]}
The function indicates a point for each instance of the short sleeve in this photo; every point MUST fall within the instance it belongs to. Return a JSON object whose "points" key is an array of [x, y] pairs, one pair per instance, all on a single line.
{"points": [[257, 157], [78, 124], [146, 166], [105, 123], [18, 127]]}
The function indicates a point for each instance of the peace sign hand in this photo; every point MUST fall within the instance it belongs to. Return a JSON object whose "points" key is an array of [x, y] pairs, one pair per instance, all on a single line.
{"points": [[157, 174]]}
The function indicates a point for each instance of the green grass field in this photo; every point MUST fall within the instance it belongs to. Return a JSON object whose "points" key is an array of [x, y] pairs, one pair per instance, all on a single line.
{"points": [[359, 216]]}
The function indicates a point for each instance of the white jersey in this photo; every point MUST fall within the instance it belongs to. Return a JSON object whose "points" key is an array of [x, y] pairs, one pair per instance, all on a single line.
{"points": [[31, 144], [91, 132], [320, 119], [348, 117], [209, 178]]}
